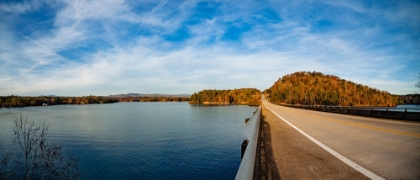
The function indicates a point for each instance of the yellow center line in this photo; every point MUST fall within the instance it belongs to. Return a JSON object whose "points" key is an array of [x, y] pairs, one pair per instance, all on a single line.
{"points": [[359, 125]]}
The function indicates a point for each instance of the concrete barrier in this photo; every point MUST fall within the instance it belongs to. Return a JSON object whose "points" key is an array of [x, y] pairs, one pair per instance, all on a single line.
{"points": [[249, 146]]}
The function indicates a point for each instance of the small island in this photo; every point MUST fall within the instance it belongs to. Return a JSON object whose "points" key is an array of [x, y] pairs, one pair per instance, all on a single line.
{"points": [[243, 96]]}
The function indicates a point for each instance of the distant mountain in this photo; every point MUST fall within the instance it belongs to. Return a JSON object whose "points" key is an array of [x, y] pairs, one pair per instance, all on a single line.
{"points": [[148, 95]]}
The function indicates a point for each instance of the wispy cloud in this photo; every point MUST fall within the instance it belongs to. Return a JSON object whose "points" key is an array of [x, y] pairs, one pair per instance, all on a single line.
{"points": [[22, 7], [111, 47]]}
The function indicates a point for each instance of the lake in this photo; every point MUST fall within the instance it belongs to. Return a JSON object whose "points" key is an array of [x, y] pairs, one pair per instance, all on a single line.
{"points": [[402, 108], [159, 140]]}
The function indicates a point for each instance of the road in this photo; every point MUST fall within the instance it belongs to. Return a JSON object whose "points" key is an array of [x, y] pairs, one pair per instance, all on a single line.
{"points": [[335, 146]]}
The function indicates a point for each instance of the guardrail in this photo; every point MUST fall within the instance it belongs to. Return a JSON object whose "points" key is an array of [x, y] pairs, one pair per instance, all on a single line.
{"points": [[383, 112], [249, 147]]}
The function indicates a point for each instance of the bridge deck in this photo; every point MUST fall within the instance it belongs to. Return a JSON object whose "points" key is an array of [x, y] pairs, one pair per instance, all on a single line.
{"points": [[380, 148]]}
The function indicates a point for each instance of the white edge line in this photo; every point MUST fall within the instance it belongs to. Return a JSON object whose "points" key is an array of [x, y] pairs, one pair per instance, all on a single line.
{"points": [[352, 164]]}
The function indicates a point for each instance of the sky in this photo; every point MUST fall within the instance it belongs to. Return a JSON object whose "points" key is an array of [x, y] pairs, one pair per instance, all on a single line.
{"points": [[104, 47]]}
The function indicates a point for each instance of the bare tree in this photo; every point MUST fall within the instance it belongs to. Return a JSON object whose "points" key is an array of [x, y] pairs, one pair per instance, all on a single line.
{"points": [[35, 157]]}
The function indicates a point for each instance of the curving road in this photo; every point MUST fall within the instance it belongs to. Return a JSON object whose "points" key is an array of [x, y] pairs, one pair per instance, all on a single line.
{"points": [[317, 145]]}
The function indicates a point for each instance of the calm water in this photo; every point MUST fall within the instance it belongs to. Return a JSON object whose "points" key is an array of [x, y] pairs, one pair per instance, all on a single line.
{"points": [[409, 107], [143, 140]]}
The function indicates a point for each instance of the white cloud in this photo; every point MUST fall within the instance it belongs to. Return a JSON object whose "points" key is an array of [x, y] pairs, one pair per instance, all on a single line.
{"points": [[19, 8], [148, 63]]}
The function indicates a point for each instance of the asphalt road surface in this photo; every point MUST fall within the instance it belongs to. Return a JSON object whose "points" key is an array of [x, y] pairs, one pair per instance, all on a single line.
{"points": [[317, 145]]}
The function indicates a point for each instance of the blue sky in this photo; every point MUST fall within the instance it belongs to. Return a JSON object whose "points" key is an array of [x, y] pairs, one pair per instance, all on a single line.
{"points": [[110, 46]]}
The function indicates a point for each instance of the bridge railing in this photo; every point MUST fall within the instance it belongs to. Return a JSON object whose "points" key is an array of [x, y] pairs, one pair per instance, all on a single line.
{"points": [[384, 112], [249, 147]]}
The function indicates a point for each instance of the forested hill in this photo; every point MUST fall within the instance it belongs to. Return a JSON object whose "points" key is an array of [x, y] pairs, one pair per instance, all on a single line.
{"points": [[315, 88], [248, 96]]}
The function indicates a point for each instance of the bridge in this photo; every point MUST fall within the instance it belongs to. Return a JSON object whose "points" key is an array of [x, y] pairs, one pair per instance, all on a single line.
{"points": [[306, 144]]}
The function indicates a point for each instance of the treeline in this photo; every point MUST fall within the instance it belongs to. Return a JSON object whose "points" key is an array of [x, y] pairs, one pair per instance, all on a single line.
{"points": [[23, 101], [153, 99], [410, 99], [246, 96], [315, 88]]}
